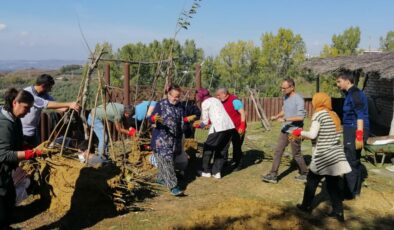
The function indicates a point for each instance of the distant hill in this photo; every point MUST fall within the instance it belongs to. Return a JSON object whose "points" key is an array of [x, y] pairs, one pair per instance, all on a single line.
{"points": [[12, 65]]}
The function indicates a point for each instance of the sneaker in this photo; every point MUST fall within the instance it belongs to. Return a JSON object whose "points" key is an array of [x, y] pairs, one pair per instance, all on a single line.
{"points": [[390, 168], [160, 181], [270, 178], [203, 174], [176, 191], [303, 208], [237, 167], [339, 216], [301, 178], [217, 175]]}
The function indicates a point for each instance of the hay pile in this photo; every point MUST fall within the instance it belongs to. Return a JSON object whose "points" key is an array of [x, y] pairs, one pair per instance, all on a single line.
{"points": [[67, 185]]}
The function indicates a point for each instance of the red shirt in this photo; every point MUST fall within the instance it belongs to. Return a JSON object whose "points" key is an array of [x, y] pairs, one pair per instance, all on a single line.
{"points": [[229, 107]]}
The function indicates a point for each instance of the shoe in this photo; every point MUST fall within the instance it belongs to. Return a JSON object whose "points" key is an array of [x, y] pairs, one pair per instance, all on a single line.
{"points": [[337, 215], [390, 168], [203, 174], [160, 182], [301, 178], [270, 178], [217, 176], [176, 191], [237, 167], [303, 208]]}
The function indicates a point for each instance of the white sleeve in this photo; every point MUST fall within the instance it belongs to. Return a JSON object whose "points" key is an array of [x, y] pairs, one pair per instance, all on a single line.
{"points": [[313, 131], [205, 112], [40, 103]]}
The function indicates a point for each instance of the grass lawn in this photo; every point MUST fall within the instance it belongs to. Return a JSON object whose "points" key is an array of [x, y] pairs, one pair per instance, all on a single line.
{"points": [[240, 200]]}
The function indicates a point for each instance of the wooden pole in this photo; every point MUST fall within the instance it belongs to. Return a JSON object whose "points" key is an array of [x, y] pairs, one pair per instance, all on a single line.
{"points": [[126, 84], [107, 79], [317, 84], [44, 126], [198, 76]]}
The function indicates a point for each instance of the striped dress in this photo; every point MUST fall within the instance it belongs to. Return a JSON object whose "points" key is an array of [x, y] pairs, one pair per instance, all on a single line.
{"points": [[328, 156]]}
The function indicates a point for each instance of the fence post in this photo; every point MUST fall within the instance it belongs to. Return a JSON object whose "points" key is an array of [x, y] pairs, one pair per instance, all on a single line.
{"points": [[107, 79], [126, 84], [44, 126], [198, 76]]}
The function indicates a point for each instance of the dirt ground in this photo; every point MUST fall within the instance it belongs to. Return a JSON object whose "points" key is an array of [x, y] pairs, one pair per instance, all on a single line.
{"points": [[237, 201]]}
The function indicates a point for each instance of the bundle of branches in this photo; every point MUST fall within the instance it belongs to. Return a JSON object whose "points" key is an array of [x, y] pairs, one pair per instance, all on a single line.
{"points": [[135, 180]]}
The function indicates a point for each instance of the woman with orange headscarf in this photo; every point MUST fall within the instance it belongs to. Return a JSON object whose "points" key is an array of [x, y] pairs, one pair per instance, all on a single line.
{"points": [[328, 157]]}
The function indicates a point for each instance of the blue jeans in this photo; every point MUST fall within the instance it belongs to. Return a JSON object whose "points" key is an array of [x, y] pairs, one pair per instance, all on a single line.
{"points": [[99, 130]]}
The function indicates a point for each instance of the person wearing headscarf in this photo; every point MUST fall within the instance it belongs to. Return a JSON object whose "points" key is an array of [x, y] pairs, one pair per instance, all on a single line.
{"points": [[221, 127], [328, 157]]}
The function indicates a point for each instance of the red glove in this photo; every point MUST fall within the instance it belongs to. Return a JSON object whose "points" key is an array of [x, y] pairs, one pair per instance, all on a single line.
{"points": [[147, 147], [156, 118], [359, 135], [297, 132], [242, 128], [30, 153], [189, 118], [197, 125], [132, 132]]}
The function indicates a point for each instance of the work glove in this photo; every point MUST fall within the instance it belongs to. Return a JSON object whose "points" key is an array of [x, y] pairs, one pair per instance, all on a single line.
{"points": [[132, 132], [359, 139], [156, 118], [242, 128], [189, 119], [198, 125], [30, 153], [296, 132]]}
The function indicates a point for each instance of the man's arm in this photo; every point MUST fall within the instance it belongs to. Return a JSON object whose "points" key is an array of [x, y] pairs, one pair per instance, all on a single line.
{"points": [[279, 115], [296, 118], [120, 129], [150, 110], [62, 105]]}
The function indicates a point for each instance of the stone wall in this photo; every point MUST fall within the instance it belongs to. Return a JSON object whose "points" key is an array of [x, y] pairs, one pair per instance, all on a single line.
{"points": [[380, 93]]}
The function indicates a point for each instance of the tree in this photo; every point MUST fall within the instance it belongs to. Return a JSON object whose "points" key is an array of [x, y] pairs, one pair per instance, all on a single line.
{"points": [[343, 44], [281, 54], [387, 43], [235, 63], [190, 55]]}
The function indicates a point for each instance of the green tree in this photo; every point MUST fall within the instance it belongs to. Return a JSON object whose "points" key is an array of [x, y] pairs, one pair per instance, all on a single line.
{"points": [[235, 63], [387, 43], [343, 44], [281, 54]]}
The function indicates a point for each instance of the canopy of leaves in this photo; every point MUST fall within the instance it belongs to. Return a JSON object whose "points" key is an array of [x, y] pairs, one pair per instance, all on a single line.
{"points": [[387, 43], [343, 44]]}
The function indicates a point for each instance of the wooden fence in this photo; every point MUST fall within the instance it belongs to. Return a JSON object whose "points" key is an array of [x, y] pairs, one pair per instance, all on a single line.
{"points": [[271, 106]]}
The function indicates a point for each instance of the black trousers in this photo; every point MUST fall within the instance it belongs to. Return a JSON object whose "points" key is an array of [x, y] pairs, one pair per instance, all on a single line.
{"points": [[237, 141], [7, 205], [213, 147], [31, 141], [353, 179], [333, 189]]}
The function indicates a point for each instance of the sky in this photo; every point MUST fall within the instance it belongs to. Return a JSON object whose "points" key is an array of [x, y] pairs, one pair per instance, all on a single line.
{"points": [[48, 29]]}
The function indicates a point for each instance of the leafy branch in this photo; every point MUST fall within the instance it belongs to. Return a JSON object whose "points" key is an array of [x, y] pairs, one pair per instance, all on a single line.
{"points": [[185, 16]]}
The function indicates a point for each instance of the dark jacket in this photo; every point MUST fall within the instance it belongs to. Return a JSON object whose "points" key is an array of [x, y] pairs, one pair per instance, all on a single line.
{"points": [[11, 141], [355, 107], [167, 136]]}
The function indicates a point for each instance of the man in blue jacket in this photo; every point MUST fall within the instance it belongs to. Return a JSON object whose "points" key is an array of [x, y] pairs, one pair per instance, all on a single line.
{"points": [[355, 130]]}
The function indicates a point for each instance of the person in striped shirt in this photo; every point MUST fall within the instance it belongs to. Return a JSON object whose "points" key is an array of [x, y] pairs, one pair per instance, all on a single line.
{"points": [[328, 157]]}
